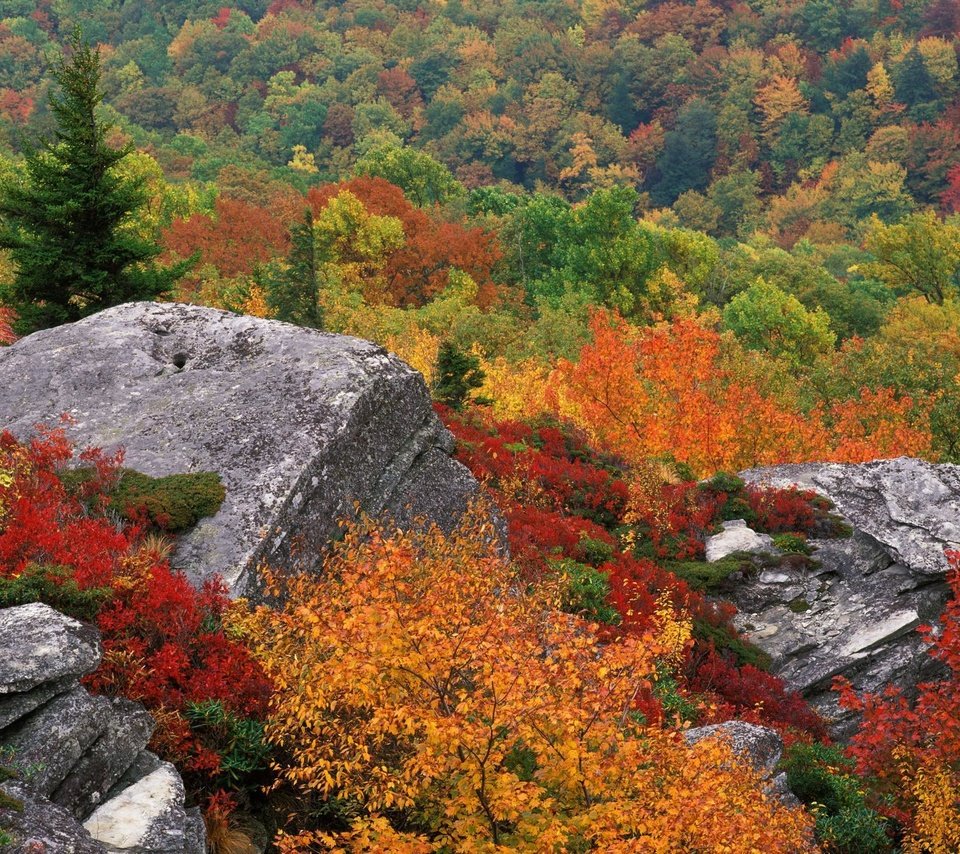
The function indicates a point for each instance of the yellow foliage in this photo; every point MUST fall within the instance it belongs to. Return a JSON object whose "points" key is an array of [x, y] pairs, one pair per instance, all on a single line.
{"points": [[936, 827], [516, 388], [418, 348], [461, 711]]}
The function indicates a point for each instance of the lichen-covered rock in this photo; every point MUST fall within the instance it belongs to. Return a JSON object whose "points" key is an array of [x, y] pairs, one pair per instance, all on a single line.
{"points": [[146, 817], [126, 734], [299, 424], [13, 707], [910, 507], [38, 644], [45, 746], [737, 537], [855, 610], [41, 827]]}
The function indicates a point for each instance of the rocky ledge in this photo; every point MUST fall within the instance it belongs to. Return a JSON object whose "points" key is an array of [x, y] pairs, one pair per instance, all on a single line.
{"points": [[302, 426], [854, 609], [76, 775]]}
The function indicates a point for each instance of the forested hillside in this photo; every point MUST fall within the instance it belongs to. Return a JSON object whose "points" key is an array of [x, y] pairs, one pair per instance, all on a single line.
{"points": [[633, 247]]}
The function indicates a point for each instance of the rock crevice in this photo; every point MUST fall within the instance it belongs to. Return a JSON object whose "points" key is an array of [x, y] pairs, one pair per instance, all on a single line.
{"points": [[79, 761]]}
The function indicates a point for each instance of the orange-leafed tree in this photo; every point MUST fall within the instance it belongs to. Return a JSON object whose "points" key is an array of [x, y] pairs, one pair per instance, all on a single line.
{"points": [[684, 390], [679, 389], [420, 269], [447, 707], [236, 238]]}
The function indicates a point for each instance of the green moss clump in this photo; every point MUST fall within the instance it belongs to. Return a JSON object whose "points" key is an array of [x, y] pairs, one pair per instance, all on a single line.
{"points": [[707, 577], [799, 605], [792, 544], [55, 586], [6, 802], [172, 503], [742, 650]]}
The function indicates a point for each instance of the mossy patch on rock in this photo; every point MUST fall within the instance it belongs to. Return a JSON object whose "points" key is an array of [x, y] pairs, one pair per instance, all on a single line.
{"points": [[55, 586], [173, 503]]}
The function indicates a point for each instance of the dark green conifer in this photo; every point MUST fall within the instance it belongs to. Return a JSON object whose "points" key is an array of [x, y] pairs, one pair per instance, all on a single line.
{"points": [[457, 374], [293, 289], [67, 217]]}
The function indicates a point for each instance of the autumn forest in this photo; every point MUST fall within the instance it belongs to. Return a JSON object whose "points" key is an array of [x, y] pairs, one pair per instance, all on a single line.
{"points": [[634, 247]]}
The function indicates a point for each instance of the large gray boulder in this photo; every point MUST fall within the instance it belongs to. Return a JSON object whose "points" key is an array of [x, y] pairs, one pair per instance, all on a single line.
{"points": [[300, 424], [854, 612]]}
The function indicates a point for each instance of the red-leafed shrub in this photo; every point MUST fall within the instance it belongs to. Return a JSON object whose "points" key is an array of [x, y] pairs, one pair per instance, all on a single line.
{"points": [[782, 510], [163, 641], [901, 744]]}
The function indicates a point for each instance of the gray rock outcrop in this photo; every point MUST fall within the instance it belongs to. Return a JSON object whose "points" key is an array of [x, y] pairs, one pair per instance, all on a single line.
{"points": [[737, 537], [299, 424], [76, 757], [855, 610]]}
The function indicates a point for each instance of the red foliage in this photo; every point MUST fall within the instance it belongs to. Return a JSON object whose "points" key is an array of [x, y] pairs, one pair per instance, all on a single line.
{"points": [[238, 236], [782, 510], [163, 641], [921, 733], [420, 269], [753, 695]]}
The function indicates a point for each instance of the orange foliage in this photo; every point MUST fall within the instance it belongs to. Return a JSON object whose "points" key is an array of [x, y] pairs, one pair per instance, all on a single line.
{"points": [[420, 269], [683, 390], [461, 711], [238, 236]]}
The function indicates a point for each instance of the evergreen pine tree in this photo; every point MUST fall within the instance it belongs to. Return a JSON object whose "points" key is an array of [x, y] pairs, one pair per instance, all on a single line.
{"points": [[67, 220], [457, 374], [914, 85], [293, 289]]}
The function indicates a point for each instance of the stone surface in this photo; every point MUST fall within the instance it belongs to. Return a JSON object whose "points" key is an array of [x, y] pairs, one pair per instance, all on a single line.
{"points": [[299, 424], [43, 827], [13, 707], [910, 507], [45, 746], [38, 644], [146, 817], [194, 833], [854, 612], [737, 537], [126, 734]]}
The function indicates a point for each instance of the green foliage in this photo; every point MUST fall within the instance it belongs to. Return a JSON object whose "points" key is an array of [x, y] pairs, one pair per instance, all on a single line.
{"points": [[676, 705], [743, 651], [823, 779], [709, 577], [240, 742], [586, 592], [799, 605], [792, 544], [66, 216], [457, 375], [172, 503], [920, 254], [55, 586], [424, 180], [765, 318], [293, 287]]}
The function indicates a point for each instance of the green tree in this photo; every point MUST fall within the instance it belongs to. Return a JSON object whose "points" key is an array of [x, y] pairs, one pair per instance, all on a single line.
{"points": [[688, 153], [765, 318], [293, 286], [457, 375], [920, 254], [68, 218], [425, 181]]}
